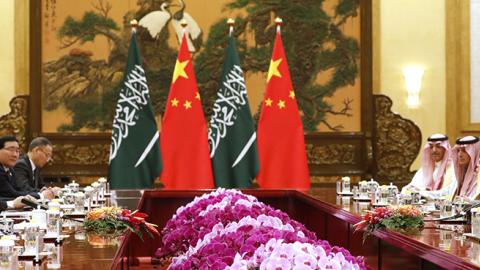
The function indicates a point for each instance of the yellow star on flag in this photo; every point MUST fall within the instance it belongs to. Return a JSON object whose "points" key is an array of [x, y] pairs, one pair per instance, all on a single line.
{"points": [[292, 94], [197, 96], [281, 104], [180, 70], [268, 102], [174, 102], [187, 105], [273, 70]]}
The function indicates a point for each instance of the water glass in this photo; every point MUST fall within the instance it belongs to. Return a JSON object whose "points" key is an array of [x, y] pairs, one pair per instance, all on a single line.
{"points": [[339, 187], [346, 184], [355, 192], [7, 225], [53, 217], [447, 210], [345, 200], [6, 252], [79, 202], [363, 189], [438, 202], [384, 194], [416, 197], [54, 259], [103, 186], [475, 221], [30, 236]]}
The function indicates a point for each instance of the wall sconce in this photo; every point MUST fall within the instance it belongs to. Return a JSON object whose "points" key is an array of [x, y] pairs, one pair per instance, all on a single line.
{"points": [[413, 83]]}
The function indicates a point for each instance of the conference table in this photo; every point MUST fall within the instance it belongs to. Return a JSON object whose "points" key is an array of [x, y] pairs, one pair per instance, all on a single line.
{"points": [[331, 217]]}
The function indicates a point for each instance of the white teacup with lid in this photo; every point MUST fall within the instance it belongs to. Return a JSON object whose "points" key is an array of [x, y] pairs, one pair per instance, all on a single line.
{"points": [[39, 216]]}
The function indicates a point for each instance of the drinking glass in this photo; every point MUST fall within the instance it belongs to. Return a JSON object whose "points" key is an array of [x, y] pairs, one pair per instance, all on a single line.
{"points": [[416, 197], [103, 186], [355, 192], [79, 202], [339, 187], [30, 236], [52, 218], [6, 252], [447, 210], [475, 221], [7, 225], [346, 184]]}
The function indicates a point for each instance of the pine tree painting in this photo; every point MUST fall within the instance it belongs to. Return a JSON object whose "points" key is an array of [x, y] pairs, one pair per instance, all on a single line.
{"points": [[314, 42]]}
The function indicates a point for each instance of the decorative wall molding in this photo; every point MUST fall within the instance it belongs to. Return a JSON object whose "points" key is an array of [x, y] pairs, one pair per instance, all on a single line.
{"points": [[330, 154], [15, 122], [92, 154]]}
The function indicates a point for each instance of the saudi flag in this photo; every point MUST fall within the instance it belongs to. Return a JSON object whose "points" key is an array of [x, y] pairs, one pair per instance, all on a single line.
{"points": [[232, 137], [135, 152]]}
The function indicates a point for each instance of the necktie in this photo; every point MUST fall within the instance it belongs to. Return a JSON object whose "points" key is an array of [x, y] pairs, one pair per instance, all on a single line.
{"points": [[9, 175]]}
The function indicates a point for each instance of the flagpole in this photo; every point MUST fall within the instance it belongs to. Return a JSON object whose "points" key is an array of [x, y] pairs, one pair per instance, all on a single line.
{"points": [[134, 25], [231, 23], [278, 22]]}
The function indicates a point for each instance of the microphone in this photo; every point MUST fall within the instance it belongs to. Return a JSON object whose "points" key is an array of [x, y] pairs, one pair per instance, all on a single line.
{"points": [[461, 214], [33, 204]]}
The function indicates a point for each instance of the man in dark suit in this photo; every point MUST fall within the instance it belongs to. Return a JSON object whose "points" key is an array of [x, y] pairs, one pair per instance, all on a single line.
{"points": [[9, 153], [28, 166]]}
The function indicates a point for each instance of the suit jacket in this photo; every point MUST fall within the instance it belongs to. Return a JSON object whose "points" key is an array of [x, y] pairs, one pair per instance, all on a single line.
{"points": [[3, 205], [26, 180], [8, 188]]}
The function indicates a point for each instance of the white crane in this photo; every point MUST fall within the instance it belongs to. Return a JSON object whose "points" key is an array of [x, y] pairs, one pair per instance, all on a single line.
{"points": [[156, 20], [194, 33]]}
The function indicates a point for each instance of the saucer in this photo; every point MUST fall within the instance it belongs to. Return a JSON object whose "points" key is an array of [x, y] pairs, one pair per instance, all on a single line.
{"points": [[345, 193], [472, 236], [380, 204], [362, 198]]}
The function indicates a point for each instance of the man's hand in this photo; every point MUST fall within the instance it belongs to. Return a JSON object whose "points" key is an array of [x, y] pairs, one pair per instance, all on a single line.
{"points": [[17, 203], [55, 190], [48, 194]]}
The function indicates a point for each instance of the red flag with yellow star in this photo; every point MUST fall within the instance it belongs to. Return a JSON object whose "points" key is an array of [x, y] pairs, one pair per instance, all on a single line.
{"points": [[184, 136], [281, 144]]}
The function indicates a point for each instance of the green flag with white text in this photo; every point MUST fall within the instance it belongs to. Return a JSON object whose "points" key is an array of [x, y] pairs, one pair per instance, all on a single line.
{"points": [[135, 159], [232, 137]]}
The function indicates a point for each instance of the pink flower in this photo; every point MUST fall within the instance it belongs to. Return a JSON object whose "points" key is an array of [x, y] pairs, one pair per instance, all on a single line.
{"points": [[238, 263], [306, 259], [276, 264], [327, 263]]}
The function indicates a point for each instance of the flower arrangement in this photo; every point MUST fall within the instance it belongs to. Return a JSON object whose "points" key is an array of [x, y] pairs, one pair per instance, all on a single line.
{"points": [[404, 219], [230, 230], [276, 254], [114, 220], [193, 222]]}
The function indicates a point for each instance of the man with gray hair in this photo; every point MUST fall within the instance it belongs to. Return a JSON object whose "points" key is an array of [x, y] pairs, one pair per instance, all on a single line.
{"points": [[28, 166]]}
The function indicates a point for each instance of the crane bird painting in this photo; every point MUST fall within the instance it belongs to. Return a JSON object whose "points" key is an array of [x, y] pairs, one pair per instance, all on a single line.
{"points": [[156, 20]]}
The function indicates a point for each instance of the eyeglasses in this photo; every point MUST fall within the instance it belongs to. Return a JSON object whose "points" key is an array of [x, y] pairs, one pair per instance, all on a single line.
{"points": [[12, 149], [47, 155]]}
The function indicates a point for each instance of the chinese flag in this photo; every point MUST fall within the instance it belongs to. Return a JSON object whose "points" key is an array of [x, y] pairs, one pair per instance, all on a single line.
{"points": [[183, 140], [281, 144]]}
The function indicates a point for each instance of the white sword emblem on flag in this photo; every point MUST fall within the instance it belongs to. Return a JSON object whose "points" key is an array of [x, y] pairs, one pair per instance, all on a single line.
{"points": [[245, 149], [147, 149]]}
